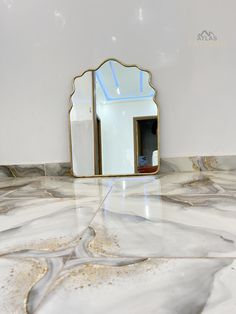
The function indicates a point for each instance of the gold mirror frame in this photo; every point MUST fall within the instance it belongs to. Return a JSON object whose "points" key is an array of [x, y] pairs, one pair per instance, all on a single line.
{"points": [[158, 121]]}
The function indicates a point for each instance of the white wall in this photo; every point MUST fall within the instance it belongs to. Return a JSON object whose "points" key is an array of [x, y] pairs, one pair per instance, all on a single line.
{"points": [[117, 133], [45, 43]]}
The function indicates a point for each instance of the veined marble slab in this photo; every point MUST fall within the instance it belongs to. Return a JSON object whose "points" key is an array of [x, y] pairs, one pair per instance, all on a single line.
{"points": [[160, 286], [177, 183], [17, 276], [198, 163], [48, 169], [22, 171], [118, 286], [179, 215], [163, 244], [167, 165], [58, 169], [46, 213]]}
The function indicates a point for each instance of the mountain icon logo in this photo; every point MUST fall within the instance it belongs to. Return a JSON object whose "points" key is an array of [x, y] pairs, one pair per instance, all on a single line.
{"points": [[206, 36]]}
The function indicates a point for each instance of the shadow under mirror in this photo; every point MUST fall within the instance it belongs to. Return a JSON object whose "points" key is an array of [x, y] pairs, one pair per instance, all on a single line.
{"points": [[114, 122]]}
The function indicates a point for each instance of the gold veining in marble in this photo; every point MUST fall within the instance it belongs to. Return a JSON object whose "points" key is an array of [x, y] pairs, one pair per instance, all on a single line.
{"points": [[126, 249]]}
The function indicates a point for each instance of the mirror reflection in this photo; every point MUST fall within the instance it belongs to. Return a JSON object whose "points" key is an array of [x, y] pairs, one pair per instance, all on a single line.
{"points": [[114, 122]]}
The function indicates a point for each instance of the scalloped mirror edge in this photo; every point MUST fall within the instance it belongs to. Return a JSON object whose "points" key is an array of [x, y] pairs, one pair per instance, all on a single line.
{"points": [[157, 117]]}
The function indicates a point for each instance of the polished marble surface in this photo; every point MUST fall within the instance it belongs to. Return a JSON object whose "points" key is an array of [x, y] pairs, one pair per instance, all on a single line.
{"points": [[152, 286], [46, 213], [178, 215], [199, 163], [168, 165], [48, 169], [161, 244]]}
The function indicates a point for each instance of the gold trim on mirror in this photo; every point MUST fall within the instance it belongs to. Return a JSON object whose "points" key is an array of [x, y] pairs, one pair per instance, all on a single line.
{"points": [[96, 162]]}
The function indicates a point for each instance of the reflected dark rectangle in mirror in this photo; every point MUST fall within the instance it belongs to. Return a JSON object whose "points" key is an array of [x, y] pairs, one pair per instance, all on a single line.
{"points": [[145, 132]]}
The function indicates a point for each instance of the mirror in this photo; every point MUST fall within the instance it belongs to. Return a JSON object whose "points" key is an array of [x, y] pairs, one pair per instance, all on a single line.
{"points": [[114, 122]]}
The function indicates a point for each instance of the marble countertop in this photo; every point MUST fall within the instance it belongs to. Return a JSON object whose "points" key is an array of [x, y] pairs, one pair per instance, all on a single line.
{"points": [[163, 244]]}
